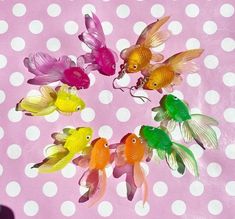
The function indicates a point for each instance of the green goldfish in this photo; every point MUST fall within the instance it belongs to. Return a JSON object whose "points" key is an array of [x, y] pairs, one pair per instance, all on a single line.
{"points": [[177, 156], [66, 146], [64, 100], [193, 126]]}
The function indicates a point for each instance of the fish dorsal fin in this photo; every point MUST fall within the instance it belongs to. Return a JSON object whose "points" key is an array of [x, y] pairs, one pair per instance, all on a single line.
{"points": [[150, 37], [126, 52], [182, 62]]}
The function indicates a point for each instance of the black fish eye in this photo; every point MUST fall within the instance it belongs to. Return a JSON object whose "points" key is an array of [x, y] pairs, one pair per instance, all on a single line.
{"points": [[135, 66], [154, 84], [175, 98], [106, 145], [133, 140], [78, 108], [88, 137]]}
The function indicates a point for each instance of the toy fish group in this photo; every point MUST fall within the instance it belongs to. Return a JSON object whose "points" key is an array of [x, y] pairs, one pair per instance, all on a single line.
{"points": [[132, 150]]}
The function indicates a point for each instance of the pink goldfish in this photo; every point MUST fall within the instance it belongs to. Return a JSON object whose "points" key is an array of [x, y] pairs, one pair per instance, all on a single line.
{"points": [[101, 58]]}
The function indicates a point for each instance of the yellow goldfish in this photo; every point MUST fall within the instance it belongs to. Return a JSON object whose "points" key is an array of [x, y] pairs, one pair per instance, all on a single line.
{"points": [[167, 74], [64, 100], [137, 57], [66, 146]]}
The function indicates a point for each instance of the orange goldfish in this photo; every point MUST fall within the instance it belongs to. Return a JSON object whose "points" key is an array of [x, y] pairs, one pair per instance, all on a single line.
{"points": [[129, 154], [138, 57], [166, 75], [94, 178]]}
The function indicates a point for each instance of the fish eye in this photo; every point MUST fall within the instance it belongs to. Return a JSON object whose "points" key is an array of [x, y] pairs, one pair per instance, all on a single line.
{"points": [[106, 145], [88, 137], [133, 140], [135, 66], [175, 98], [78, 108], [155, 84]]}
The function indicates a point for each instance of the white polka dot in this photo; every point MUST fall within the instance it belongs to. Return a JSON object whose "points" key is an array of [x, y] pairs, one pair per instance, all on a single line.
{"points": [[32, 133], [178, 94], [88, 114], [178, 207], [140, 93], [85, 47], [194, 80], [33, 93], [196, 188], [14, 116], [1, 170], [35, 26], [52, 117], [123, 11], [139, 27], [192, 10], [69, 171], [31, 208], [18, 44], [215, 207], [229, 115], [30, 172], [160, 189], [105, 96], [123, 114], [92, 79], [121, 189], [107, 27], [122, 44], [49, 189], [175, 27], [53, 44], [229, 79], [19, 10], [159, 48], [197, 151], [209, 27], [16, 79], [227, 10], [124, 81], [3, 26], [68, 208], [212, 97], [13, 189], [140, 209], [71, 27], [14, 151], [54, 10], [214, 169], [105, 209], [228, 44], [137, 130], [192, 43], [3, 61], [88, 8], [230, 188], [105, 131], [211, 61], [157, 10], [230, 151], [2, 96], [1, 132]]}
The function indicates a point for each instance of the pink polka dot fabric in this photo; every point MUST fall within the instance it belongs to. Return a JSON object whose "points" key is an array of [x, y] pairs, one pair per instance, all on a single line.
{"points": [[53, 27]]}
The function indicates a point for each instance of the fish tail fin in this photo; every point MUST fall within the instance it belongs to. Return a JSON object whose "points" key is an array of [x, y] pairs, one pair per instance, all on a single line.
{"points": [[182, 62], [187, 157], [103, 184], [199, 128], [151, 37]]}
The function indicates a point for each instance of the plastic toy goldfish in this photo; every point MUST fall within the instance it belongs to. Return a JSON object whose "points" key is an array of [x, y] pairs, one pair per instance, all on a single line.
{"points": [[101, 58], [67, 145], [94, 178], [138, 57], [166, 75], [130, 152], [193, 126], [64, 100], [177, 156], [48, 69]]}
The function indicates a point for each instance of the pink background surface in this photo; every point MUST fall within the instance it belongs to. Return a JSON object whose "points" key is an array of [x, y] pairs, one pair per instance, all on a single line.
{"points": [[211, 91]]}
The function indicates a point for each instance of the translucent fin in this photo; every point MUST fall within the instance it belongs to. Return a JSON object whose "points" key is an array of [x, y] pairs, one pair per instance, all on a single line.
{"points": [[82, 161], [203, 134], [169, 88], [168, 124], [181, 62], [48, 93], [54, 149], [204, 119], [90, 40], [187, 158], [59, 137], [138, 175], [157, 57], [186, 132], [160, 113], [130, 186], [126, 52], [150, 37], [177, 80], [171, 160]]}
